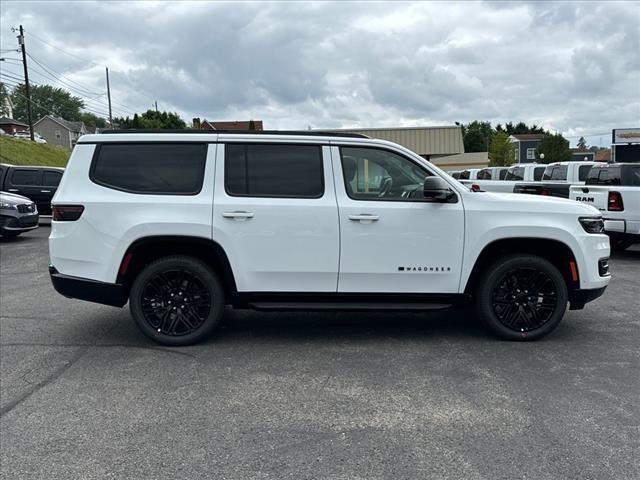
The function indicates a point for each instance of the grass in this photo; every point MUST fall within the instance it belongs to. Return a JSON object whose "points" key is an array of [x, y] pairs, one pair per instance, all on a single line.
{"points": [[17, 151]]}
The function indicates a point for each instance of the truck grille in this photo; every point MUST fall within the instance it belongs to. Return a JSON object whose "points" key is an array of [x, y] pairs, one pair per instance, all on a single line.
{"points": [[27, 208]]}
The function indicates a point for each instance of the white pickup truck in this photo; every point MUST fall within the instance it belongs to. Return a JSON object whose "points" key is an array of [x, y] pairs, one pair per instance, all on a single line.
{"points": [[614, 188], [557, 178], [527, 172]]}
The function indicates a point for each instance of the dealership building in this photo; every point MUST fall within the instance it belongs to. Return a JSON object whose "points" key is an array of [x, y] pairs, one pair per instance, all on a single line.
{"points": [[443, 146]]}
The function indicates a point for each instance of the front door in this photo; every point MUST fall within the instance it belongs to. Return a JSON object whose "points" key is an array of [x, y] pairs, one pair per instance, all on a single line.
{"points": [[392, 239], [275, 214]]}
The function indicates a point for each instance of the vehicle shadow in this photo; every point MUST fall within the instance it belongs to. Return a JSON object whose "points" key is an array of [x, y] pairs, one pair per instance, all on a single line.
{"points": [[632, 253], [18, 239], [455, 324], [352, 326]]}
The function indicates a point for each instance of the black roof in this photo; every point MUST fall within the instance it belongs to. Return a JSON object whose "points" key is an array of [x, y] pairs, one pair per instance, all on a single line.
{"points": [[306, 133]]}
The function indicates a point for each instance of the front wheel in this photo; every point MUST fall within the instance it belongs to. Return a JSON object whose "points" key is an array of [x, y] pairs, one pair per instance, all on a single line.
{"points": [[177, 300], [522, 297]]}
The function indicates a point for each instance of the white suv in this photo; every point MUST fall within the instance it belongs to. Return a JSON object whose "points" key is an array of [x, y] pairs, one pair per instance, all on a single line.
{"points": [[181, 224]]}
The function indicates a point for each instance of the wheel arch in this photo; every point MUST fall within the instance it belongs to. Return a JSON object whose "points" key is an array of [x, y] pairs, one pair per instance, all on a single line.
{"points": [[555, 251], [147, 249]]}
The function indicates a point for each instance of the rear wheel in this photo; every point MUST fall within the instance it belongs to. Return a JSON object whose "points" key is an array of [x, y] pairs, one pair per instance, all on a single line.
{"points": [[177, 300], [522, 297]]}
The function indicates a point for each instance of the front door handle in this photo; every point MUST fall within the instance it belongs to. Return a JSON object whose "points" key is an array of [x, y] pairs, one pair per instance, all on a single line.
{"points": [[12, 190], [238, 215], [364, 218], [45, 191]]}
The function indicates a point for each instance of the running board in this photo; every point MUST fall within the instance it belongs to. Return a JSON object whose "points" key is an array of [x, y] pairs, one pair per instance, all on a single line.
{"points": [[356, 306]]}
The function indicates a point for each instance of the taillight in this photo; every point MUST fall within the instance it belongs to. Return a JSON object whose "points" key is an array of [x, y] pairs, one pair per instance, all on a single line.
{"points": [[66, 213], [615, 202], [545, 191], [475, 187]]}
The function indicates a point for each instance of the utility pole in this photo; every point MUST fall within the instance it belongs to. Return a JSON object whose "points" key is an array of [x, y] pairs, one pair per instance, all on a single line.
{"points": [[156, 103], [26, 81], [109, 99]]}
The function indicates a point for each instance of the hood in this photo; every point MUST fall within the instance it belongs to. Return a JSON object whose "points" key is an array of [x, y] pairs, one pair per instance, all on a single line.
{"points": [[537, 203], [13, 198]]}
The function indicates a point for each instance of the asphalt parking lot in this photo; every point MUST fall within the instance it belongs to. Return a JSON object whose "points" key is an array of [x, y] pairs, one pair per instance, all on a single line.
{"points": [[340, 396]]}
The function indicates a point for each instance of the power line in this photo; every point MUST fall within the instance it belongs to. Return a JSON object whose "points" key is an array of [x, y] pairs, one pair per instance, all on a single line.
{"points": [[31, 34]]}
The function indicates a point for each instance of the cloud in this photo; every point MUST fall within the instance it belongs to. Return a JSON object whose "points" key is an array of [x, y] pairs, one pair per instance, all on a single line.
{"points": [[572, 67]]}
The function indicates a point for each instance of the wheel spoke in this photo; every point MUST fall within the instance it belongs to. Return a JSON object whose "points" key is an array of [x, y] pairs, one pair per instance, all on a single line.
{"points": [[524, 299]]}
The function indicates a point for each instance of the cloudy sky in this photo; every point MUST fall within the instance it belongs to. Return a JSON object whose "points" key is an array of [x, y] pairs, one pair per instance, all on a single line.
{"points": [[572, 67]]}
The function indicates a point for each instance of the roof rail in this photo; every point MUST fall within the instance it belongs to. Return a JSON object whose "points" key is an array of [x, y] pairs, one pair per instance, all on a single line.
{"points": [[306, 133]]}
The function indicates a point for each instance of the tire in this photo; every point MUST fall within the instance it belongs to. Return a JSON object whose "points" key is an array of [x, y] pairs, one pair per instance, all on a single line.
{"points": [[177, 300], [10, 234], [507, 303], [619, 245]]}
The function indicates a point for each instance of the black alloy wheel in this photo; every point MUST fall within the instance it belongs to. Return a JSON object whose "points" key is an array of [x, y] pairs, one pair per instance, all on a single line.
{"points": [[521, 297], [524, 299], [177, 300]]}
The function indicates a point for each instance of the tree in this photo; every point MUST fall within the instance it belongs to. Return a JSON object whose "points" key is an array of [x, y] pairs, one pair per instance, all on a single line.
{"points": [[555, 149], [4, 95], [520, 128], [45, 100], [92, 121], [501, 150], [152, 119], [582, 144], [477, 136]]}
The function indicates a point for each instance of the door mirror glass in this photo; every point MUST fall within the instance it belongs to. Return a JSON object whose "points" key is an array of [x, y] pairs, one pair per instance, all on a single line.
{"points": [[437, 190]]}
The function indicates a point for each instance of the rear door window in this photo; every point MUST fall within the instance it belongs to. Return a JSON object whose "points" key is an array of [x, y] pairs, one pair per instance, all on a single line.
{"points": [[274, 170], [503, 173], [26, 177], [604, 176], [51, 178], [150, 168]]}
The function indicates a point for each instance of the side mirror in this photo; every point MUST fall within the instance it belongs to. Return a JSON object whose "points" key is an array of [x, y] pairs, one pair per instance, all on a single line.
{"points": [[437, 190]]}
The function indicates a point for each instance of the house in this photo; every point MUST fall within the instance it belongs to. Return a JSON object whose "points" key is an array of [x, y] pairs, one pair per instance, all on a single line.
{"points": [[58, 131], [234, 125], [603, 155], [582, 155], [7, 107], [428, 142], [12, 126], [525, 146]]}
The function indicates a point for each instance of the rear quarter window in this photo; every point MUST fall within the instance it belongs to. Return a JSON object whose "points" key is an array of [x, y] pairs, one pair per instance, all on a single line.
{"points": [[51, 178], [583, 172], [150, 168]]}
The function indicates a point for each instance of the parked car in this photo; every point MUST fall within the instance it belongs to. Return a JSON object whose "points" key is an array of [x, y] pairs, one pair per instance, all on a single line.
{"points": [[529, 172], [469, 174], [36, 136], [37, 183], [18, 214], [557, 178], [492, 173], [181, 224], [614, 188]]}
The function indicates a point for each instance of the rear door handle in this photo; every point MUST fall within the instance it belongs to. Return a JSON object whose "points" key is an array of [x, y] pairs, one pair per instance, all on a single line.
{"points": [[45, 191], [364, 218], [239, 215], [13, 190]]}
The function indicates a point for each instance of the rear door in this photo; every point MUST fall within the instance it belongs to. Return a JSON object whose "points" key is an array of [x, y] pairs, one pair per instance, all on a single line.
{"points": [[275, 215], [392, 239], [50, 181], [26, 182]]}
